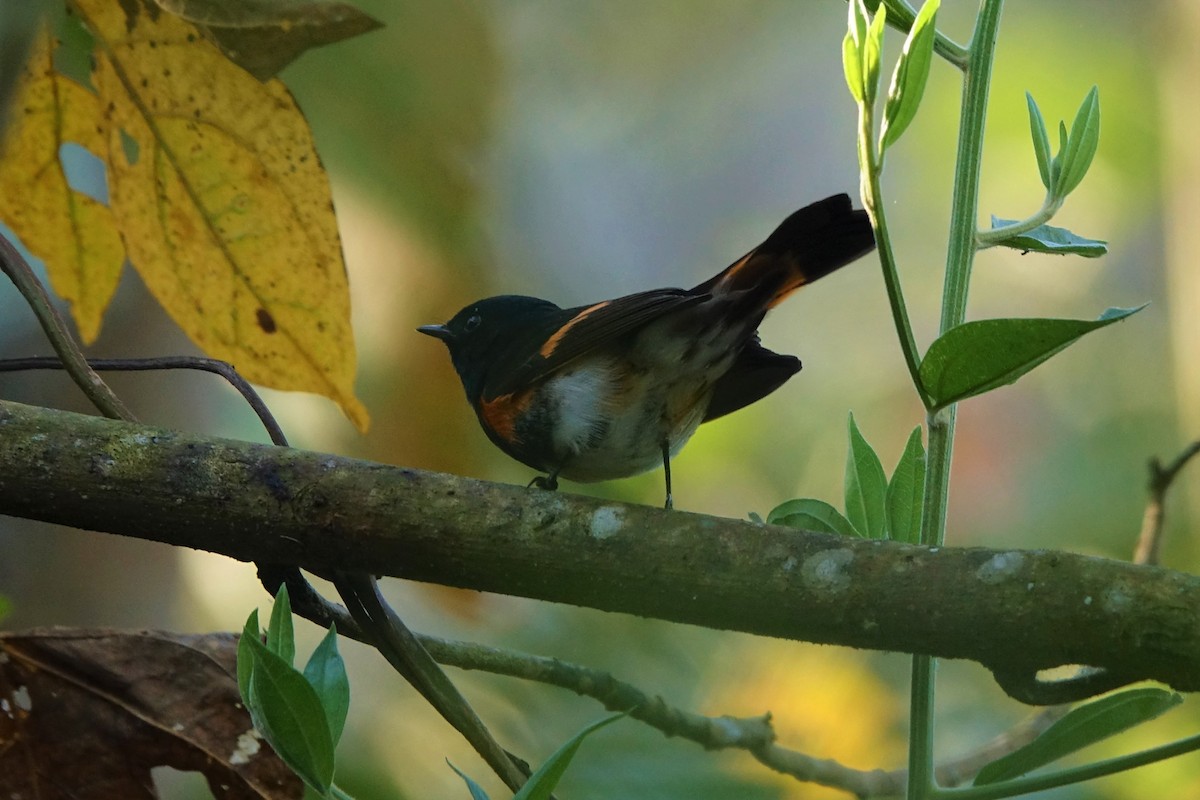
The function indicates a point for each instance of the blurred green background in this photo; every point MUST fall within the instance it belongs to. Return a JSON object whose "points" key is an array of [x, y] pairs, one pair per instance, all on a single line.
{"points": [[583, 150]]}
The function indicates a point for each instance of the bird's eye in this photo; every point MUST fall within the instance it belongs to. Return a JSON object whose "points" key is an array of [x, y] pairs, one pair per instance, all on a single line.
{"points": [[473, 322]]}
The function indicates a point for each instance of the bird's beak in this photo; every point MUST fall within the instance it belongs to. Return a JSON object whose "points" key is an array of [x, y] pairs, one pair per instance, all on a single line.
{"points": [[437, 332]]}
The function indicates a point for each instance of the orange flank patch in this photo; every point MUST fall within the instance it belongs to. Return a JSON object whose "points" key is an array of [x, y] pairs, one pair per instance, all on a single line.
{"points": [[552, 343], [501, 413]]}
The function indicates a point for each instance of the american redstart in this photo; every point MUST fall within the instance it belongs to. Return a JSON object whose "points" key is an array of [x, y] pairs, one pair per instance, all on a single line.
{"points": [[615, 388]]}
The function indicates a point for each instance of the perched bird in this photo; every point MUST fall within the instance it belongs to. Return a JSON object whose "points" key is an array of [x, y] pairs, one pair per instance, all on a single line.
{"points": [[616, 388]]}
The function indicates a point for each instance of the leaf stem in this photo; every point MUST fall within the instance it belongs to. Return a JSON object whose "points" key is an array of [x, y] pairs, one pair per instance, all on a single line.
{"points": [[994, 236], [950, 50], [960, 256], [900, 16]]}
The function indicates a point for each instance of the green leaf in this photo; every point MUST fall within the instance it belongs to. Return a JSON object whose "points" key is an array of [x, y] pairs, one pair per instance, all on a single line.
{"points": [[1041, 141], [477, 792], [811, 515], [910, 76], [906, 492], [281, 636], [865, 486], [287, 712], [5, 607], [871, 51], [1084, 726], [852, 52], [977, 357], [1049, 239], [245, 656], [1082, 144], [754, 517], [1057, 161], [326, 672], [541, 783]]}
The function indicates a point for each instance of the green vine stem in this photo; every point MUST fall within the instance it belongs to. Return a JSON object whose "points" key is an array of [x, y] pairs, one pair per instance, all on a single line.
{"points": [[871, 169], [959, 260]]}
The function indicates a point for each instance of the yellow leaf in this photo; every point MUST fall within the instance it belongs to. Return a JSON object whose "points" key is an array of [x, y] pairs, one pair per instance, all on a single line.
{"points": [[74, 234], [223, 203]]}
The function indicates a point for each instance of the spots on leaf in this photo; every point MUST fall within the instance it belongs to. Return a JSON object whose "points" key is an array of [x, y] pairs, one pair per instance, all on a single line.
{"points": [[265, 320]]}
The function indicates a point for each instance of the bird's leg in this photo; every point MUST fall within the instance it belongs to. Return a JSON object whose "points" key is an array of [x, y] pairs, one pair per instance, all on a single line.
{"points": [[548, 482], [666, 451]]}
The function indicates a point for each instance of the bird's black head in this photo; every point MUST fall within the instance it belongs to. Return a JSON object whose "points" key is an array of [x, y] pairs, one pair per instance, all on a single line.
{"points": [[494, 335]]}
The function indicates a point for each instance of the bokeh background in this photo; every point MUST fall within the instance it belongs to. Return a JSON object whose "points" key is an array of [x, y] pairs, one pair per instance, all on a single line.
{"points": [[583, 150]]}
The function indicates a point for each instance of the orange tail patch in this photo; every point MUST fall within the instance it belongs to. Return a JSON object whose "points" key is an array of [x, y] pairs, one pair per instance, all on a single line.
{"points": [[755, 270]]}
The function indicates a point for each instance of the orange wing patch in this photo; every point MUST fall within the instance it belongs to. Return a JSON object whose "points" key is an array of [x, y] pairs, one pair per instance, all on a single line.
{"points": [[501, 413], [552, 343]]}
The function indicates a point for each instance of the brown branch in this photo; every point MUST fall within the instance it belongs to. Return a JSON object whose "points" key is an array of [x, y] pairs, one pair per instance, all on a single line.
{"points": [[1029, 609], [13, 264], [713, 733]]}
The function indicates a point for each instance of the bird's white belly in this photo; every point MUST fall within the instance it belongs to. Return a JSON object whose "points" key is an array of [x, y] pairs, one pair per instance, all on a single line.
{"points": [[609, 425]]}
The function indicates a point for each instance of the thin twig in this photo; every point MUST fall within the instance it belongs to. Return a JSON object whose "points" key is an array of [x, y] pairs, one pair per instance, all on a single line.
{"points": [[211, 365], [1150, 540], [713, 733], [96, 390]]}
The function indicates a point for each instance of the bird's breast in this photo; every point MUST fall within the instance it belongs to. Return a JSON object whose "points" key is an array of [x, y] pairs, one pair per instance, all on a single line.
{"points": [[610, 417]]}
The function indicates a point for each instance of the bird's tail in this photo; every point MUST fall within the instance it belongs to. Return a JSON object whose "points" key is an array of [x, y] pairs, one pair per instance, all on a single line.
{"points": [[811, 243]]}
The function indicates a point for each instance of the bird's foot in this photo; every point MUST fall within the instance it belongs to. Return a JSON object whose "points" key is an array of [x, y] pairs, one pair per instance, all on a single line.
{"points": [[548, 482]]}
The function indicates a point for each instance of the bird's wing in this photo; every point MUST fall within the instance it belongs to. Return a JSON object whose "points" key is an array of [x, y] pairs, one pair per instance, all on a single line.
{"points": [[590, 328]]}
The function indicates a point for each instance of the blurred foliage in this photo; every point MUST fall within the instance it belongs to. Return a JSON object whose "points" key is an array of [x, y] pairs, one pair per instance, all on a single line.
{"points": [[581, 151]]}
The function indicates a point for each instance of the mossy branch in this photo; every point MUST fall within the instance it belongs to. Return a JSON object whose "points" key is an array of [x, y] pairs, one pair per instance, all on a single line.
{"points": [[1013, 611]]}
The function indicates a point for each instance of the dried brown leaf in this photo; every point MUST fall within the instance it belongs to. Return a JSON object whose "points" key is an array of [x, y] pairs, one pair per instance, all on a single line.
{"points": [[86, 714]]}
